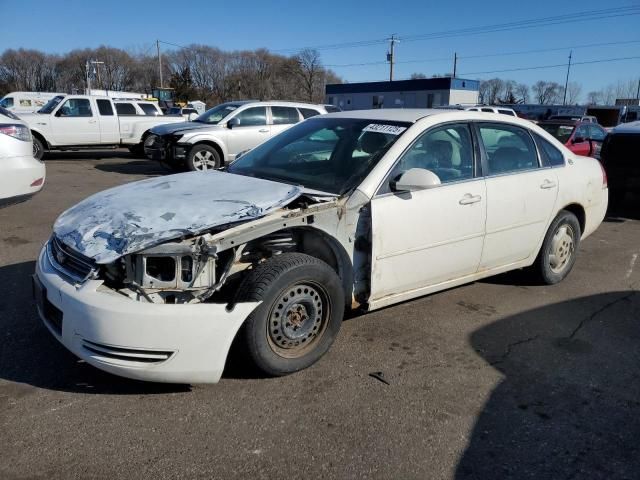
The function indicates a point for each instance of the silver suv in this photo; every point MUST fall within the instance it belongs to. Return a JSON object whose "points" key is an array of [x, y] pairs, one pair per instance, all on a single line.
{"points": [[217, 136]]}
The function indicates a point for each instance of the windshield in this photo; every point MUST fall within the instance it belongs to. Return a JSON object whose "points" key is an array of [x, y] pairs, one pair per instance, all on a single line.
{"points": [[218, 113], [561, 132], [331, 155], [6, 102], [51, 104]]}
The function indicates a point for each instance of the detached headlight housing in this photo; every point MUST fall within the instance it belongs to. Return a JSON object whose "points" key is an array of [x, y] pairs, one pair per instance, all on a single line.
{"points": [[21, 132]]}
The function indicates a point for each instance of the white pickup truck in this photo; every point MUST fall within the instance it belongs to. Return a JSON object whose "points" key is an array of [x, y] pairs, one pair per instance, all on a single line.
{"points": [[78, 122]]}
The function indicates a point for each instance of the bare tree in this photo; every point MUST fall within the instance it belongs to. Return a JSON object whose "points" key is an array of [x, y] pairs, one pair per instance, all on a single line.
{"points": [[594, 97], [546, 93], [310, 71], [490, 90], [574, 90], [522, 93]]}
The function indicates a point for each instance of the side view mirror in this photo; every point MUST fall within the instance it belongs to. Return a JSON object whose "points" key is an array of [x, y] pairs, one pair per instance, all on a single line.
{"points": [[60, 113], [416, 179], [192, 116], [234, 122], [578, 140]]}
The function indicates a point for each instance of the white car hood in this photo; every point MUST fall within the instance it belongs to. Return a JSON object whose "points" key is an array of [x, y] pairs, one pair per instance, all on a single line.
{"points": [[140, 215]]}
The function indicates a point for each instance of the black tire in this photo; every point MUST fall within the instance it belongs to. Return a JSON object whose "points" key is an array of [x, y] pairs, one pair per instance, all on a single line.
{"points": [[559, 249], [315, 310], [38, 148], [203, 157]]}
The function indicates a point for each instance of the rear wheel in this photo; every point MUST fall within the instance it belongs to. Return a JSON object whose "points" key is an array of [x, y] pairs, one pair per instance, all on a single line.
{"points": [[38, 148], [300, 314], [559, 249], [202, 158]]}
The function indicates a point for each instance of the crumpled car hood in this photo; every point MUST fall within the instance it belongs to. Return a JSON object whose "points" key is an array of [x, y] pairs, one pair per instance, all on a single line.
{"points": [[140, 215], [167, 128]]}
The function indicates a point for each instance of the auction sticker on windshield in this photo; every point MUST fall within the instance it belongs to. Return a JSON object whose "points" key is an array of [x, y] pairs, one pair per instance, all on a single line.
{"points": [[380, 128]]}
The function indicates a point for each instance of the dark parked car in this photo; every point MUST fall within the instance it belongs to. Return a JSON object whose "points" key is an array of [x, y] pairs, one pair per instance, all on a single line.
{"points": [[620, 156]]}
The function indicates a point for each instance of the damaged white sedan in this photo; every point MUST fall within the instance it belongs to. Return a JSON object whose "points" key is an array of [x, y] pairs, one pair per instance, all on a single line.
{"points": [[154, 280]]}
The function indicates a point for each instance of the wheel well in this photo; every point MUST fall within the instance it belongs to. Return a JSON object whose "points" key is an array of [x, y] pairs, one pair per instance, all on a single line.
{"points": [[579, 212], [39, 136], [214, 145]]}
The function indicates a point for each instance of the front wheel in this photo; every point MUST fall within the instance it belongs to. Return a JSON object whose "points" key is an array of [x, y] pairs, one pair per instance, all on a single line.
{"points": [[559, 249], [300, 314], [38, 149], [202, 158]]}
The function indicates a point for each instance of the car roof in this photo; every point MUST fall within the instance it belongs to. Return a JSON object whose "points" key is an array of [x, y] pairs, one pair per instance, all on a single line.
{"points": [[631, 127], [561, 121], [392, 114]]}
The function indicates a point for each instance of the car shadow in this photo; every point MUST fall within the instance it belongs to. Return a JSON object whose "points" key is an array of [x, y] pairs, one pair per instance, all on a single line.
{"points": [[135, 167], [86, 155], [30, 355], [568, 401]]}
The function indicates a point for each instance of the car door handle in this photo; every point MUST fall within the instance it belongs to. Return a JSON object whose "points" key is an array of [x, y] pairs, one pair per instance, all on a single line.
{"points": [[468, 199], [92, 121], [548, 184], [263, 130]]}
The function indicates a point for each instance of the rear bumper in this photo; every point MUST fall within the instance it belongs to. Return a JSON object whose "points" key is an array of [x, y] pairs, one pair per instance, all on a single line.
{"points": [[20, 178], [143, 341]]}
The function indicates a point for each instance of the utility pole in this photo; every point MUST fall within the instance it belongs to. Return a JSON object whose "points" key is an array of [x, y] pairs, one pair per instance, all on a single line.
{"points": [[96, 68], [390, 56], [638, 92], [566, 82], [455, 63], [159, 62], [86, 67]]}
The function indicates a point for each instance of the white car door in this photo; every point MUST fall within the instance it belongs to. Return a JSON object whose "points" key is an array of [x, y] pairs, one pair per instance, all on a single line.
{"points": [[283, 118], [520, 194], [427, 237], [250, 132], [109, 127], [75, 123]]}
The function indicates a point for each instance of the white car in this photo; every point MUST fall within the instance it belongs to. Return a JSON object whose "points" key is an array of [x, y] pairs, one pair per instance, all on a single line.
{"points": [[216, 137], [21, 175], [26, 102], [153, 280]]}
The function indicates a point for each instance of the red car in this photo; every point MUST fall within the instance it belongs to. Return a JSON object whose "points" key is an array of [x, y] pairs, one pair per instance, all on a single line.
{"points": [[576, 135]]}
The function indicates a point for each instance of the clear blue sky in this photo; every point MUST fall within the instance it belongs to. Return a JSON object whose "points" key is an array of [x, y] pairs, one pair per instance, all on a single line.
{"points": [[58, 26]]}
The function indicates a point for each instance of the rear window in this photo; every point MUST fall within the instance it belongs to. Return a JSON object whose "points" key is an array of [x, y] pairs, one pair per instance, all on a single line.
{"points": [[125, 109], [309, 112], [104, 107], [148, 109], [284, 115], [621, 149], [331, 109]]}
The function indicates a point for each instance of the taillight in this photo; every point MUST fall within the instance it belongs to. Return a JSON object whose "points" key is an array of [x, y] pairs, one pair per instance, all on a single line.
{"points": [[16, 131], [605, 182]]}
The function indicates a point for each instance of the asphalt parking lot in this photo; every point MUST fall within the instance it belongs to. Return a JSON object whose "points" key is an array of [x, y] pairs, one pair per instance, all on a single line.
{"points": [[498, 379]]}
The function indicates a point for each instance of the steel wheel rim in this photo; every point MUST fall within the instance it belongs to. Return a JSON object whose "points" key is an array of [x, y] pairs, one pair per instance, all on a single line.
{"points": [[562, 248], [298, 319], [204, 160]]}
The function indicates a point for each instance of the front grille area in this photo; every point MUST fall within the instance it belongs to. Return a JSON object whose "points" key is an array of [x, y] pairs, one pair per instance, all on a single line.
{"points": [[127, 354], [69, 262]]}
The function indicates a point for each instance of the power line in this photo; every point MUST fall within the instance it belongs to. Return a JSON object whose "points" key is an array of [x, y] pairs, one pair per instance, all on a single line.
{"points": [[487, 55], [539, 67], [530, 23]]}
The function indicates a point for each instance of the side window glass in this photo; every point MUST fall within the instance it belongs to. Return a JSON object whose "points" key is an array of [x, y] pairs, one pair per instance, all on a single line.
{"points": [[596, 133], [104, 107], [125, 109], [252, 117], [309, 112], [76, 107], [508, 148], [446, 151], [581, 133], [551, 156], [284, 115], [148, 109]]}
